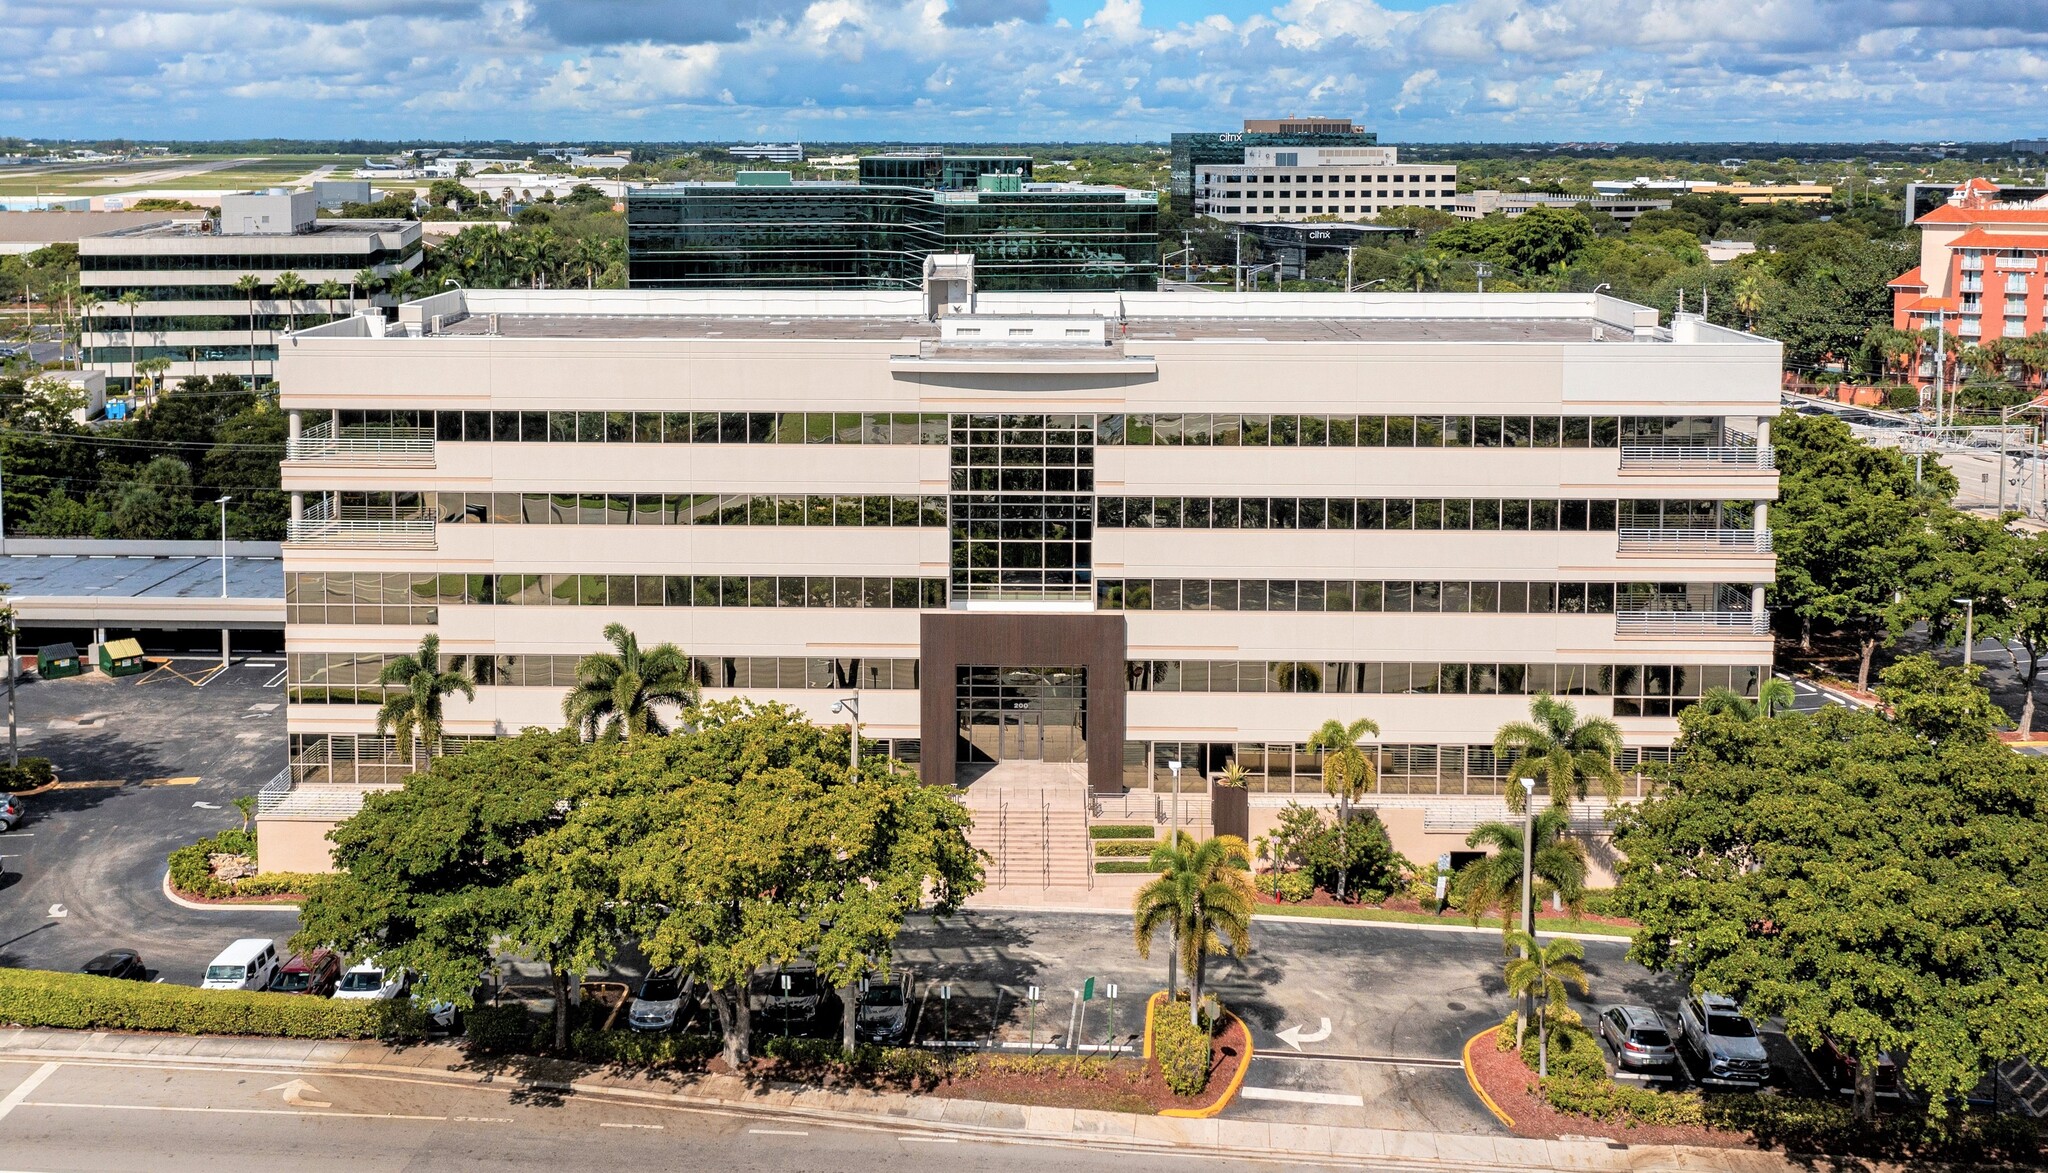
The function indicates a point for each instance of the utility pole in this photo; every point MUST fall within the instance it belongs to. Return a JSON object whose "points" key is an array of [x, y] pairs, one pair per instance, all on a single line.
{"points": [[1969, 630], [13, 736], [1237, 264], [1173, 838], [1528, 890], [1940, 366], [1349, 254], [2004, 418], [1187, 257]]}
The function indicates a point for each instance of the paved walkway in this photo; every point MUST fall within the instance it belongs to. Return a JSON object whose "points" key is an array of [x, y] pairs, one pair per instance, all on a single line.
{"points": [[1330, 1145]]}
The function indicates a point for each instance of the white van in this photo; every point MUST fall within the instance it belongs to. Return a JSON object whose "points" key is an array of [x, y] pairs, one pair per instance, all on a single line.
{"points": [[248, 964]]}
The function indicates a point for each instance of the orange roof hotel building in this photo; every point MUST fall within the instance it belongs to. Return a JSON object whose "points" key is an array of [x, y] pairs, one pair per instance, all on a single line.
{"points": [[1980, 273]]}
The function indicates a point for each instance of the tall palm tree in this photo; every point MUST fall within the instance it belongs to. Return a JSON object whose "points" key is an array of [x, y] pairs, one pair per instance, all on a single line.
{"points": [[1561, 750], [616, 692], [290, 286], [1749, 299], [366, 280], [1773, 696], [1204, 898], [1495, 881], [331, 291], [1421, 269], [133, 299], [1541, 974], [249, 285], [1348, 771], [413, 715]]}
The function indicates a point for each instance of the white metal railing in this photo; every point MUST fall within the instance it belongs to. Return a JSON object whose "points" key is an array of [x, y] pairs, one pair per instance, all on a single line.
{"points": [[318, 525], [1691, 623], [1732, 541], [411, 447], [274, 791], [1672, 456]]}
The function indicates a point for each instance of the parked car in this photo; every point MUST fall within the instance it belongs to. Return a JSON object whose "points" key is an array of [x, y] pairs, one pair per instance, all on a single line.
{"points": [[117, 963], [884, 1014], [1638, 1037], [665, 999], [248, 964], [1715, 1027], [315, 973], [1840, 1066], [371, 981], [12, 810], [788, 993]]}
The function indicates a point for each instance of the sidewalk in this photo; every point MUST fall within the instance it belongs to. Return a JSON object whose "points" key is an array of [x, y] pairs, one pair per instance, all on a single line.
{"points": [[963, 1118]]}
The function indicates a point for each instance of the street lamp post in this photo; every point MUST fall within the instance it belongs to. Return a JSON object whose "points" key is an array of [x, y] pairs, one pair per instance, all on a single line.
{"points": [[1969, 630], [851, 707], [223, 503], [1483, 271], [1173, 837], [1528, 890]]}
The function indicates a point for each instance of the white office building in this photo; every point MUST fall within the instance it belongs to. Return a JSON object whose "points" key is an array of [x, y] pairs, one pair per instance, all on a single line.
{"points": [[1349, 183], [1099, 532]]}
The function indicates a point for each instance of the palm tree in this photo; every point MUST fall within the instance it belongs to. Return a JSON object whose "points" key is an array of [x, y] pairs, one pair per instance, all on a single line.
{"points": [[413, 715], [616, 692], [1348, 772], [1541, 974], [1496, 880], [1420, 268], [366, 280], [331, 291], [249, 285], [592, 253], [152, 370], [1561, 750], [1772, 697], [1204, 898], [133, 299], [290, 286], [1749, 299]]}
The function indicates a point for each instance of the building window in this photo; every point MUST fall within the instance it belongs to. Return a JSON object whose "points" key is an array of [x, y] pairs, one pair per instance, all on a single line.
{"points": [[1022, 509]]}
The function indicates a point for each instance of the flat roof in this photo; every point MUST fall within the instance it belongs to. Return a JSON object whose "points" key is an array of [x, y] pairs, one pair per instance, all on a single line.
{"points": [[199, 229], [74, 576], [1165, 329]]}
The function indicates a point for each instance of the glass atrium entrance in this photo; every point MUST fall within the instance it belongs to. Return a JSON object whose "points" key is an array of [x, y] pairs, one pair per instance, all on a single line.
{"points": [[1011, 714]]}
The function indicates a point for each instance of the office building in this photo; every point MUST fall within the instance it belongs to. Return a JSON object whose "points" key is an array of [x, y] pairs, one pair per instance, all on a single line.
{"points": [[769, 152], [331, 194], [766, 230], [1348, 183], [1190, 150], [186, 270], [1105, 532], [1980, 275], [1476, 205]]}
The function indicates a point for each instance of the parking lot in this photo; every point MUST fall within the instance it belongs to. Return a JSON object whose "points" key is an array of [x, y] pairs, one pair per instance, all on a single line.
{"points": [[145, 768]]}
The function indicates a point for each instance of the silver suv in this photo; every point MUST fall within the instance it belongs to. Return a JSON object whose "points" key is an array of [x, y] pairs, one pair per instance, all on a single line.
{"points": [[1637, 1036], [1715, 1027]]}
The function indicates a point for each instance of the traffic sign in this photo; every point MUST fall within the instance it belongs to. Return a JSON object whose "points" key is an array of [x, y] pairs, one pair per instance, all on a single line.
{"points": [[1088, 990]]}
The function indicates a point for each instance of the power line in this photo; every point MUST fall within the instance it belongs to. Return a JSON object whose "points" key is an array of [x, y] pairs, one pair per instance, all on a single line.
{"points": [[135, 443]]}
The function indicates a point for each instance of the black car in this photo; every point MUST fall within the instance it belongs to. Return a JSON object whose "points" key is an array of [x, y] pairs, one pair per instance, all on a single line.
{"points": [[883, 1015], [117, 963]]}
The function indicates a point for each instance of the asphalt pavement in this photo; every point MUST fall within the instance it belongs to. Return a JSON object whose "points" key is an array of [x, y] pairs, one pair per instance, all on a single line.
{"points": [[145, 767]]}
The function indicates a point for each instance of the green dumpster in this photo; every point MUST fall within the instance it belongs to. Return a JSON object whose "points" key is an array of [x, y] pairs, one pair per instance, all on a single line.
{"points": [[122, 657], [56, 661]]}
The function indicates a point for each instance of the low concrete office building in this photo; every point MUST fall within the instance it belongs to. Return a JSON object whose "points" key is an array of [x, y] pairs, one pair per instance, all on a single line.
{"points": [[1476, 205], [1099, 533], [186, 269], [1347, 182]]}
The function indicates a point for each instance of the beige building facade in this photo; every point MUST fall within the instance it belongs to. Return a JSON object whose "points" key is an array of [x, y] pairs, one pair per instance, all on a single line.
{"points": [[1347, 183], [991, 527]]}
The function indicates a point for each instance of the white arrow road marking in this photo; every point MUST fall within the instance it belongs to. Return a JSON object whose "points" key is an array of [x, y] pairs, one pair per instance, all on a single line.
{"points": [[212, 806], [295, 1094], [58, 911], [1293, 1037]]}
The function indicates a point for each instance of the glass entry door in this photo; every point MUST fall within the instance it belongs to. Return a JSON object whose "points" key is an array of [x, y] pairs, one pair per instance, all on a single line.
{"points": [[1022, 713]]}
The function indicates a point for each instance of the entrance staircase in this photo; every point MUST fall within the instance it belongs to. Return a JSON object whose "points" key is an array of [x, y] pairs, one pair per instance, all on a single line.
{"points": [[1032, 819]]}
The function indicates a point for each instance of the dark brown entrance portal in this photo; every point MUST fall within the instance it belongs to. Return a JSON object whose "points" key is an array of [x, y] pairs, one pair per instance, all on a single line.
{"points": [[982, 651]]}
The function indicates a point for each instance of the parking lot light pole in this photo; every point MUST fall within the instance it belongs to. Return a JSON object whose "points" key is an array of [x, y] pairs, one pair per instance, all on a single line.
{"points": [[851, 707], [1528, 893], [223, 503], [1969, 630], [1173, 838]]}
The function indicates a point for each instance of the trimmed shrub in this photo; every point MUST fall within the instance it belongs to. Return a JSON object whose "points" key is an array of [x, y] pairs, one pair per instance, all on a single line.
{"points": [[31, 773], [191, 876], [1120, 831], [503, 1030], [1140, 848], [1124, 867], [1295, 887], [1603, 1099], [632, 1049], [74, 1001], [1182, 1049], [1574, 1052], [1599, 902]]}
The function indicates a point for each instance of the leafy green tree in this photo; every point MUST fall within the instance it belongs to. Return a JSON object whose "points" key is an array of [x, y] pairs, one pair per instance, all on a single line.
{"points": [[1203, 897], [427, 875], [1420, 269], [616, 692], [1773, 696], [1540, 974], [1562, 751], [1544, 237], [744, 842], [1348, 771], [1877, 880], [156, 503], [413, 714], [1831, 484], [1495, 882], [243, 462]]}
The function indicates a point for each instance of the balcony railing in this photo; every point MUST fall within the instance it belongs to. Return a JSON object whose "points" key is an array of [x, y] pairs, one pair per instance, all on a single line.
{"points": [[319, 526], [1653, 623], [1709, 541], [394, 447], [1673, 457]]}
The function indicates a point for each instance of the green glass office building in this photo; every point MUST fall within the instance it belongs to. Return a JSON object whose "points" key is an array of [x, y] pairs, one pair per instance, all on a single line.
{"points": [[877, 234]]}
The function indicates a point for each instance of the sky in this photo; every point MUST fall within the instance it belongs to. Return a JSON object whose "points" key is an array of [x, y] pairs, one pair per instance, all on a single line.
{"points": [[1025, 70]]}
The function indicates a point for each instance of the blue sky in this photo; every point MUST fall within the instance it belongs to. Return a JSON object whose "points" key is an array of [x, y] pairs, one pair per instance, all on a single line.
{"points": [[935, 70]]}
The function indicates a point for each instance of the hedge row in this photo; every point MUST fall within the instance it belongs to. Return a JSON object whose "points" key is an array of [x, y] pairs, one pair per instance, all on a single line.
{"points": [[1293, 887], [1120, 831], [1603, 1099], [1181, 1047], [31, 773], [191, 876], [1124, 867], [74, 1001], [1112, 848]]}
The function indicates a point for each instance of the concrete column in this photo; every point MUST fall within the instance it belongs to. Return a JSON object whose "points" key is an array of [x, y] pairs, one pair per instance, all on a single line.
{"points": [[223, 647], [1763, 515], [1763, 430], [298, 505], [294, 423], [1756, 600]]}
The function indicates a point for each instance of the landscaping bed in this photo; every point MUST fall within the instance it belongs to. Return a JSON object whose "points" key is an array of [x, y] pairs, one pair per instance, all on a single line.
{"points": [[220, 869], [1406, 910]]}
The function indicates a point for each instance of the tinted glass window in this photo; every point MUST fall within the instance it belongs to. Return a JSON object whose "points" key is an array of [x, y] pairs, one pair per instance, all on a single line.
{"points": [[1730, 1025]]}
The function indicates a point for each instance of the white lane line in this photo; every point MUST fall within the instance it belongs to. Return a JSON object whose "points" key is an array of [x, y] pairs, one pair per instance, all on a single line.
{"points": [[930, 1139], [775, 1132], [21, 1090], [229, 1111], [1290, 1096], [650, 1127]]}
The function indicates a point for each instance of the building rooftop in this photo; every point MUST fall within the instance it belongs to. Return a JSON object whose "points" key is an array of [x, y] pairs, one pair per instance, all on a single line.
{"points": [[127, 577], [201, 229]]}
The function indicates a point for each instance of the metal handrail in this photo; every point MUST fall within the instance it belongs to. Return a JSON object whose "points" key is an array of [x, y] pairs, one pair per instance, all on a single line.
{"points": [[1646, 622], [414, 532], [274, 791], [1747, 541], [1759, 457], [384, 445]]}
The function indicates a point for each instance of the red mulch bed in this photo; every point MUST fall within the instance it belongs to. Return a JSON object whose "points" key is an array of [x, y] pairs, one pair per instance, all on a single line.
{"points": [[1513, 1086], [196, 898], [1323, 899]]}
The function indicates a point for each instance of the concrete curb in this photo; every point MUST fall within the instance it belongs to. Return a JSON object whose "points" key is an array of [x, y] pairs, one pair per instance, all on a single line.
{"points": [[1363, 1147], [1472, 1077], [196, 906]]}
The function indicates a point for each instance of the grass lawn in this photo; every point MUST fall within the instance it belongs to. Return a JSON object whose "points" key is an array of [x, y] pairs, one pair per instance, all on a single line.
{"points": [[1355, 912]]}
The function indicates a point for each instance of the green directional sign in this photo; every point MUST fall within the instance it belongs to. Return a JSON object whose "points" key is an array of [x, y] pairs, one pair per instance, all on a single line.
{"points": [[1088, 990]]}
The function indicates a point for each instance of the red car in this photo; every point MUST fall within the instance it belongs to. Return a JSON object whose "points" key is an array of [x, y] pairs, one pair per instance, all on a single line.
{"points": [[315, 973]]}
